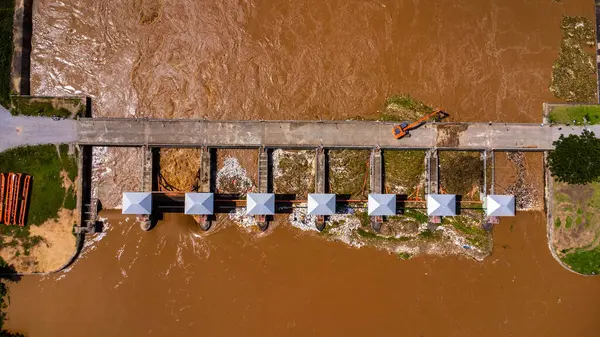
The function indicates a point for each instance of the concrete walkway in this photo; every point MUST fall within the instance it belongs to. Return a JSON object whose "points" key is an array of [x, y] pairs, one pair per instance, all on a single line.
{"points": [[311, 134], [18, 131]]}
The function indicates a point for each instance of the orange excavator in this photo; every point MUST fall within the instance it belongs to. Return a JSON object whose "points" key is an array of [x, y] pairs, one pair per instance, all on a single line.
{"points": [[401, 130]]}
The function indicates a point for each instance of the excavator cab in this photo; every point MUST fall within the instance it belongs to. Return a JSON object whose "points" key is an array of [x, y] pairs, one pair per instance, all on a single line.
{"points": [[402, 129], [399, 132]]}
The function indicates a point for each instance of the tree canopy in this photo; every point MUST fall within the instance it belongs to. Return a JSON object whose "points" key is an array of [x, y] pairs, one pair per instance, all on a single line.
{"points": [[576, 158], [6, 272]]}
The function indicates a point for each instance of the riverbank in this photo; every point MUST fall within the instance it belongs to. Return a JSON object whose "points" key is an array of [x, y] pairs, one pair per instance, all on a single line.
{"points": [[46, 242]]}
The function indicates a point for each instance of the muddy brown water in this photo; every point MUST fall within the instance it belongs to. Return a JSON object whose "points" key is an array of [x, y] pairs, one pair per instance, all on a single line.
{"points": [[483, 60], [307, 59], [172, 282]]}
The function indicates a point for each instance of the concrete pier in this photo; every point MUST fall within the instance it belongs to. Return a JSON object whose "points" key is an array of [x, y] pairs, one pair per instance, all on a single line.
{"points": [[147, 169], [204, 181], [488, 173], [376, 171], [320, 171], [433, 172], [87, 204], [263, 170]]}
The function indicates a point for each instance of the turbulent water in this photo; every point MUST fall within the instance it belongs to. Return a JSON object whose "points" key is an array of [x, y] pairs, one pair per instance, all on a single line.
{"points": [[483, 60], [480, 60], [173, 282]]}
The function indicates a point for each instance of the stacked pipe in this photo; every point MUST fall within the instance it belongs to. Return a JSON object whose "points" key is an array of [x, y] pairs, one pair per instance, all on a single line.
{"points": [[14, 198]]}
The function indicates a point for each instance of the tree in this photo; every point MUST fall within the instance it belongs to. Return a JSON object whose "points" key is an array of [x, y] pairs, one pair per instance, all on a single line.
{"points": [[6, 272], [576, 158]]}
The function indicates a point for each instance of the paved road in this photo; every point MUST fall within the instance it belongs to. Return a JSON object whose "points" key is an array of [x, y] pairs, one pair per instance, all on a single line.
{"points": [[310, 134], [20, 130]]}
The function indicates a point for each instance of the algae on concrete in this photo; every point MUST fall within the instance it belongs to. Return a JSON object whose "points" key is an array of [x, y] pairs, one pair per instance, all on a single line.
{"points": [[6, 32]]}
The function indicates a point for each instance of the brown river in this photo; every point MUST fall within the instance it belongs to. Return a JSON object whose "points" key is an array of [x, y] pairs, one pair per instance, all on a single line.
{"points": [[481, 60], [173, 282]]}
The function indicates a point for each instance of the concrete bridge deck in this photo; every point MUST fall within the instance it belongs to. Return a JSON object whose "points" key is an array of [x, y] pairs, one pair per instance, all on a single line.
{"points": [[312, 134]]}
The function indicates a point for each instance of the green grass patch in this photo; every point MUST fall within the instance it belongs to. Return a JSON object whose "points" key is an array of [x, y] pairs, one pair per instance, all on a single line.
{"points": [[70, 199], [561, 197], [331, 226], [594, 201], [427, 234], [473, 232], [404, 107], [575, 114], [404, 256], [64, 107], [44, 165], [399, 108], [568, 222], [363, 217], [557, 222], [584, 261], [69, 162], [6, 27], [419, 216]]}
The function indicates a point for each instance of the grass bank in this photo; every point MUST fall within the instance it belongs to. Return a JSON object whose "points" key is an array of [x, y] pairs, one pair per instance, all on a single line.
{"points": [[6, 26], [44, 164], [576, 217], [575, 114], [65, 107]]}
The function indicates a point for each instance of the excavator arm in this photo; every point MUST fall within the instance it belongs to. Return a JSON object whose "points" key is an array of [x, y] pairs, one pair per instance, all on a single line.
{"points": [[400, 131]]}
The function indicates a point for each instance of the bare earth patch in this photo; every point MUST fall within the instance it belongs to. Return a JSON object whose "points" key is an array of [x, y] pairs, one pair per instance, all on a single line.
{"points": [[576, 216], [54, 251]]}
